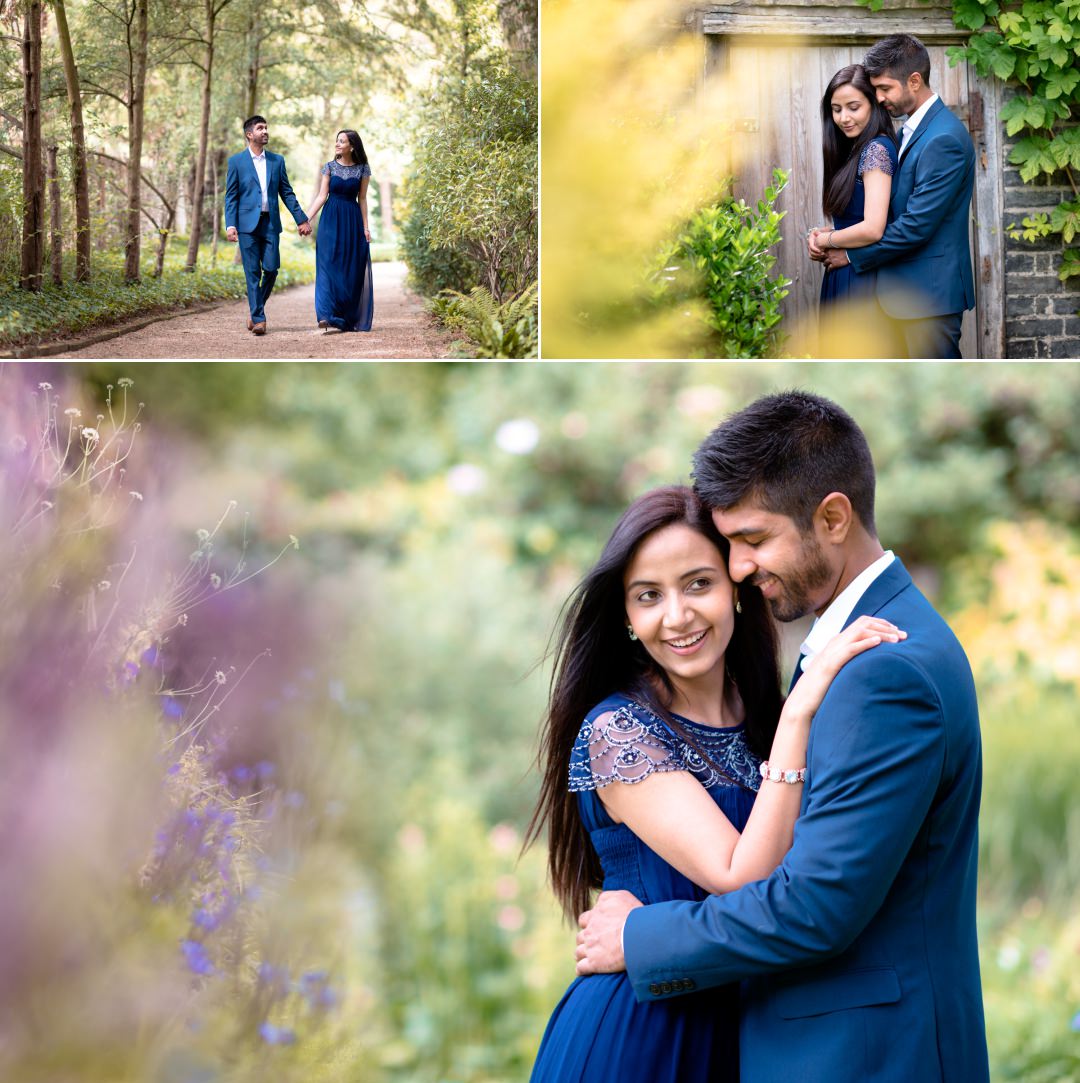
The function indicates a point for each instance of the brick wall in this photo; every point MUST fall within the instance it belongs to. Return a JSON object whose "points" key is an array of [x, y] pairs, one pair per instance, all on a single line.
{"points": [[1040, 310]]}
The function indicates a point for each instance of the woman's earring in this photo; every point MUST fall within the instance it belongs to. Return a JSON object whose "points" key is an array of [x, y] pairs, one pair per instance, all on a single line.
{"points": [[630, 632], [738, 604]]}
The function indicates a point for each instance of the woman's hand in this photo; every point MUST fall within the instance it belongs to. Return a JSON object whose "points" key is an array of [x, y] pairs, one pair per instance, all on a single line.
{"points": [[367, 235], [814, 244], [859, 636]]}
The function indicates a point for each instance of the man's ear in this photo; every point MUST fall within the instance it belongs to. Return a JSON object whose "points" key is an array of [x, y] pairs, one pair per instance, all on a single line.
{"points": [[915, 82], [834, 518]]}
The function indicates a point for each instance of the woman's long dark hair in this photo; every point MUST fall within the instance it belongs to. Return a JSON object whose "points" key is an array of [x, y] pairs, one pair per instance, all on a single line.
{"points": [[840, 154], [359, 155], [595, 658]]}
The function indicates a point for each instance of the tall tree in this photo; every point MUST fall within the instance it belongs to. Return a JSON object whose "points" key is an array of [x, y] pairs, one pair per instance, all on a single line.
{"points": [[211, 10], [33, 227], [137, 48], [56, 235], [80, 180]]}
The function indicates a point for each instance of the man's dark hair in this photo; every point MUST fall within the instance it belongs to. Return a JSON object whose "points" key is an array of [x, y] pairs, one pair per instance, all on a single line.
{"points": [[787, 452], [896, 57], [251, 122]]}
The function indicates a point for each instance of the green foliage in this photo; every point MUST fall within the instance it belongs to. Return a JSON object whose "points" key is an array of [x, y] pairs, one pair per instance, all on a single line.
{"points": [[453, 953], [1035, 46], [723, 254], [472, 195], [57, 311], [506, 330]]}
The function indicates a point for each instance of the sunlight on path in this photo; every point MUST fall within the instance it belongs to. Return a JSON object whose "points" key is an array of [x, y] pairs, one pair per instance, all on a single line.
{"points": [[401, 328]]}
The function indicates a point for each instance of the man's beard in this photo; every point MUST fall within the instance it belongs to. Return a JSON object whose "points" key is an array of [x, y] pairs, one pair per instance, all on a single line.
{"points": [[798, 588]]}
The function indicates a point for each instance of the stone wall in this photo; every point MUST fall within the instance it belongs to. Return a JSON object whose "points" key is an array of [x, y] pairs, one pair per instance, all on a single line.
{"points": [[1040, 310]]}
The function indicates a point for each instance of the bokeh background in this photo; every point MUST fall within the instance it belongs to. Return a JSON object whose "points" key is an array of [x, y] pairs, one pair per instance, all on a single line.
{"points": [[272, 662]]}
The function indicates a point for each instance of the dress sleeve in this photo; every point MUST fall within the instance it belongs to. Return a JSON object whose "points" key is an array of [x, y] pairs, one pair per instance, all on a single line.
{"points": [[875, 155], [365, 170], [326, 169], [621, 746]]}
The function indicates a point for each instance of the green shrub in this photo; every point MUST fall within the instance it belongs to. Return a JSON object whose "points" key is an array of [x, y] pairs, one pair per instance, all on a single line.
{"points": [[723, 256], [431, 268], [506, 330], [472, 196]]}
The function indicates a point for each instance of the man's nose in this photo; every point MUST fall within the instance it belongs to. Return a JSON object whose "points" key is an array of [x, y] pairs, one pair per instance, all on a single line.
{"points": [[741, 564]]}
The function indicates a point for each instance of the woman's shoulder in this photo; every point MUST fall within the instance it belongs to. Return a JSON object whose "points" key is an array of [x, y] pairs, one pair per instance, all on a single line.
{"points": [[879, 153]]}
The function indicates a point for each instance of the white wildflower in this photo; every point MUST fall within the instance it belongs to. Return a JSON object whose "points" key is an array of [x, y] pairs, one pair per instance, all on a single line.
{"points": [[104, 584], [135, 495], [295, 541], [519, 436], [215, 581], [91, 436], [44, 386], [465, 478], [73, 411], [219, 677], [46, 505], [182, 620], [125, 381], [202, 535]]}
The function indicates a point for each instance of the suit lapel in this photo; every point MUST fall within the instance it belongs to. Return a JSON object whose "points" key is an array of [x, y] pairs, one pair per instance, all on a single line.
{"points": [[921, 130]]}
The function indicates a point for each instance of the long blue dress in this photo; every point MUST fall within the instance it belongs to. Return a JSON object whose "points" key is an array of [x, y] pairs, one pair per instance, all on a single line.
{"points": [[343, 296], [844, 284], [599, 1033]]}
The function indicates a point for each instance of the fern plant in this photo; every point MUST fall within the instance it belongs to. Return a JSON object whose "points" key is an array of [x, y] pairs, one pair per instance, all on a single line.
{"points": [[494, 329]]}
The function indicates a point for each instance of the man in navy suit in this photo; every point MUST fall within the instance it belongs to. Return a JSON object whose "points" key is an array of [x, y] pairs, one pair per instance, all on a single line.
{"points": [[254, 182], [924, 278], [860, 949]]}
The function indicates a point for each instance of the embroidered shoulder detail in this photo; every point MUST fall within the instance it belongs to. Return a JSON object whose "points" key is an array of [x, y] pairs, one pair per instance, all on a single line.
{"points": [[875, 155], [630, 742], [621, 746], [336, 169]]}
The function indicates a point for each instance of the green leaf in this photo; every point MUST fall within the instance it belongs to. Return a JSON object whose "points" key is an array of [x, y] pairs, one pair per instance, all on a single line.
{"points": [[1061, 83], [1033, 157], [1065, 149], [1065, 219], [1012, 23], [1070, 264], [969, 13]]}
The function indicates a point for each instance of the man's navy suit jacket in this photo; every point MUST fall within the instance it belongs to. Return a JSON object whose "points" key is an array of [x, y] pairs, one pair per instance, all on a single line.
{"points": [[860, 949]]}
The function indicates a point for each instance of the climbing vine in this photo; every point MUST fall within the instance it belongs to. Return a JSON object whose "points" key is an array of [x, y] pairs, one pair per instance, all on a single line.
{"points": [[1035, 47]]}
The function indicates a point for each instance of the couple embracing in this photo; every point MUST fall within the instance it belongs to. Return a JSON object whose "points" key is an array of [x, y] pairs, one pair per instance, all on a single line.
{"points": [[256, 180], [820, 850], [899, 238]]}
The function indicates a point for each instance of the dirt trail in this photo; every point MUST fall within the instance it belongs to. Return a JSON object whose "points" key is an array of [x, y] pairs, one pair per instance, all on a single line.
{"points": [[401, 328]]}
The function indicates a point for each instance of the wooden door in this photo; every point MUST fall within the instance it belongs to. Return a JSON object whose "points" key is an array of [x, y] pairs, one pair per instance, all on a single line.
{"points": [[777, 89]]}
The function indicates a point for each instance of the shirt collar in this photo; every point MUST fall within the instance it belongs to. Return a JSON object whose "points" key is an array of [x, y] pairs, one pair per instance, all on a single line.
{"points": [[260, 157], [919, 115], [832, 621]]}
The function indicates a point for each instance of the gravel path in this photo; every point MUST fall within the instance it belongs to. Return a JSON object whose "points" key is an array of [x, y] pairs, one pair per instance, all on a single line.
{"points": [[401, 328]]}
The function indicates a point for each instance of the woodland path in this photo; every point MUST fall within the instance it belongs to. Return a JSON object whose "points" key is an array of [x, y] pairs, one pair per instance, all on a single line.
{"points": [[401, 329]]}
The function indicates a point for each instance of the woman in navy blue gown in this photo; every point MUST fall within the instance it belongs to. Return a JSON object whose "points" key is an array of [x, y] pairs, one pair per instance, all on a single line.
{"points": [[860, 158], [343, 297], [665, 700]]}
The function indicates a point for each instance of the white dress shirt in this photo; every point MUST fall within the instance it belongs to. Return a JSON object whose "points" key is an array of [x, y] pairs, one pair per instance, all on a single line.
{"points": [[259, 162], [832, 621], [914, 121]]}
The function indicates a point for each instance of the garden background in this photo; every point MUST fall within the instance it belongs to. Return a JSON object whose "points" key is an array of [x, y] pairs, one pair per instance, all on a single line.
{"points": [[273, 640]]}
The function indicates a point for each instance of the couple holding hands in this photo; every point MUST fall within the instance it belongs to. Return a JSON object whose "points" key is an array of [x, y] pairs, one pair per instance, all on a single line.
{"points": [[256, 179]]}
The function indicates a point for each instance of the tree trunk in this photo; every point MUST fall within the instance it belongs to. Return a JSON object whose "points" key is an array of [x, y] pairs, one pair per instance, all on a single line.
{"points": [[137, 52], [56, 242], [254, 61], [214, 210], [33, 228], [204, 137], [79, 178]]}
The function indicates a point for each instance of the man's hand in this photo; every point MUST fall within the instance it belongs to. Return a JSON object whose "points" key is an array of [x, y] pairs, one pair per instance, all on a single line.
{"points": [[599, 944], [304, 229], [836, 257], [231, 234]]}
